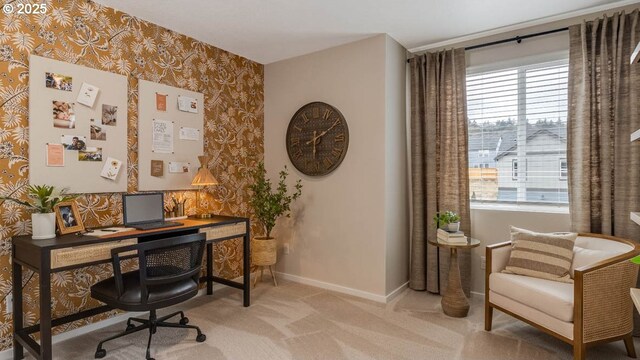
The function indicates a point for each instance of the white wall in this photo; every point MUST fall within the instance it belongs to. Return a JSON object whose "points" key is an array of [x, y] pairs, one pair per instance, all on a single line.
{"points": [[338, 233]]}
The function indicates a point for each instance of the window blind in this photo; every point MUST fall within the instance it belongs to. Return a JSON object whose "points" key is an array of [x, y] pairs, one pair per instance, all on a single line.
{"points": [[518, 134]]}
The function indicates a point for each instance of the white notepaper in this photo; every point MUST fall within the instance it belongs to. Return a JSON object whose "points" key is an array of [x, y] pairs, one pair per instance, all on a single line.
{"points": [[88, 94], [111, 168], [162, 141], [187, 104], [179, 167], [191, 134]]}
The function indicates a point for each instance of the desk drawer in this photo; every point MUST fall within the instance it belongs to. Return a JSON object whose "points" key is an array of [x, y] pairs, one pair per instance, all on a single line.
{"points": [[87, 253], [222, 231]]}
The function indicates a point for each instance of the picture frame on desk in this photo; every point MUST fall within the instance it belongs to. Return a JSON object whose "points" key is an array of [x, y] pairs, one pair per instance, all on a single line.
{"points": [[68, 217]]}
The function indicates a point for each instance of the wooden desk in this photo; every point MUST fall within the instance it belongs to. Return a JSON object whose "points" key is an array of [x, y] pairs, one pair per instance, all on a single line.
{"points": [[42, 257]]}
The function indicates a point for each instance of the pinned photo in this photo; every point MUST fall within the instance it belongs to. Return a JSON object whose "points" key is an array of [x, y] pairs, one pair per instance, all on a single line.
{"points": [[97, 133], [58, 81], [90, 154], [63, 115], [109, 115], [73, 142]]}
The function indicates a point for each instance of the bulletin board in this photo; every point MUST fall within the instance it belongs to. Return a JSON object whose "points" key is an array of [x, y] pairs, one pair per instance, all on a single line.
{"points": [[170, 136], [57, 91]]}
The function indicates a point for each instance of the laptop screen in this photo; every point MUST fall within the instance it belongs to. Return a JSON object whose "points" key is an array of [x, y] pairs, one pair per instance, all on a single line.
{"points": [[143, 208]]}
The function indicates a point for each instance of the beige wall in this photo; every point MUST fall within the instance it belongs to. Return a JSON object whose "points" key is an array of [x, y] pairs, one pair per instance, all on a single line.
{"points": [[338, 233], [396, 174]]}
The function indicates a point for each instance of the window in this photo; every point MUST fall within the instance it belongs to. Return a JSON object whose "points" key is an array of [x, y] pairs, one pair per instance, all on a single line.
{"points": [[563, 169], [518, 134]]}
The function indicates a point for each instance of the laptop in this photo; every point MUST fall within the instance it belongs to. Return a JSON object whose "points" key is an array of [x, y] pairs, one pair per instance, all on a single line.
{"points": [[145, 211]]}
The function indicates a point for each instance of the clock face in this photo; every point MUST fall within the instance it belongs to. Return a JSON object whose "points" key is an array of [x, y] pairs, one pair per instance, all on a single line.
{"points": [[317, 139]]}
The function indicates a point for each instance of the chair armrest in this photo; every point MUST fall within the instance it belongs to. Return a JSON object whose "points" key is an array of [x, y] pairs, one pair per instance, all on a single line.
{"points": [[602, 304], [497, 256]]}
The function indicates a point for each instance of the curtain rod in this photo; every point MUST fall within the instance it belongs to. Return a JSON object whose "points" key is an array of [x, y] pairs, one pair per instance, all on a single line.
{"points": [[517, 39]]}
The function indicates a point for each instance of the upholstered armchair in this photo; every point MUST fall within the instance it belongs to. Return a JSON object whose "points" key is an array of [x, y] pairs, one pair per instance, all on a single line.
{"points": [[594, 309]]}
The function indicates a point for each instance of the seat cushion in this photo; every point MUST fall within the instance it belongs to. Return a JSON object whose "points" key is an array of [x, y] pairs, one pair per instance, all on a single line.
{"points": [[159, 295], [550, 297], [546, 256]]}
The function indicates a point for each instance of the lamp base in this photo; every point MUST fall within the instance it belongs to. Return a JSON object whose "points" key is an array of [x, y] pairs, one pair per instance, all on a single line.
{"points": [[204, 216]]}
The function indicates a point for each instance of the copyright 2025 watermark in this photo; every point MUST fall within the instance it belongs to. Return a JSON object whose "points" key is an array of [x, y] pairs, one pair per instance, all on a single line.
{"points": [[24, 9]]}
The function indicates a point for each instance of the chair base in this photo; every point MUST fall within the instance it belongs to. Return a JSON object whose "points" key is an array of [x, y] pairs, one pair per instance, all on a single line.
{"points": [[153, 323]]}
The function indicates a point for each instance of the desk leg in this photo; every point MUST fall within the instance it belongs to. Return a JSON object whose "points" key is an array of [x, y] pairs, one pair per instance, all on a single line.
{"points": [[18, 324], [45, 313], [209, 268], [246, 268]]}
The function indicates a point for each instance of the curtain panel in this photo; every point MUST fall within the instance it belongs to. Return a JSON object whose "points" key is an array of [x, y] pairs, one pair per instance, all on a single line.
{"points": [[604, 89], [439, 163]]}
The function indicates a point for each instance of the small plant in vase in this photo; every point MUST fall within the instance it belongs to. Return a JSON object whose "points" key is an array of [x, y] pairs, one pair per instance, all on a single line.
{"points": [[41, 203], [448, 221], [268, 205]]}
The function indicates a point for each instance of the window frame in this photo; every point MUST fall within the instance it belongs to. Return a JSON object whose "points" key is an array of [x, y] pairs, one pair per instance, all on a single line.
{"points": [[523, 65]]}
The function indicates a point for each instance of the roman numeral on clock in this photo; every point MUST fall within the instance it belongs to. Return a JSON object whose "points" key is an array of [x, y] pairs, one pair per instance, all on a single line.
{"points": [[295, 142], [298, 154], [339, 138], [327, 162], [305, 118], [336, 152], [327, 114]]}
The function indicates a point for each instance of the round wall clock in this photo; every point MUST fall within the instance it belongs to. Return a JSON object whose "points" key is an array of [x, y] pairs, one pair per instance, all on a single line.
{"points": [[317, 139]]}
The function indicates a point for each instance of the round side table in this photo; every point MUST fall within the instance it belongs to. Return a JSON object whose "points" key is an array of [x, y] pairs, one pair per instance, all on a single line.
{"points": [[454, 301]]}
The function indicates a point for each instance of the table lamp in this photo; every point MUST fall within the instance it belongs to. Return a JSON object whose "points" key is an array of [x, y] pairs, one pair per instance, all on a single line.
{"points": [[203, 178]]}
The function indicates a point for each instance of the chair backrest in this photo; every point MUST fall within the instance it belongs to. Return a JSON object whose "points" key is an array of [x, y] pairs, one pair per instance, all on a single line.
{"points": [[163, 261], [172, 259]]}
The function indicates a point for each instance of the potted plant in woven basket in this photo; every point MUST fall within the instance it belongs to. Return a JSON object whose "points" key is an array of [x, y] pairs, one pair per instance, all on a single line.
{"points": [[268, 205], [42, 201]]}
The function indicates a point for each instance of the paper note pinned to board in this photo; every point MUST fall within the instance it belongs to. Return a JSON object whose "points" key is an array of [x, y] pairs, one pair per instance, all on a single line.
{"points": [[111, 168], [55, 155], [188, 104], [157, 168], [162, 136], [179, 167], [187, 133]]}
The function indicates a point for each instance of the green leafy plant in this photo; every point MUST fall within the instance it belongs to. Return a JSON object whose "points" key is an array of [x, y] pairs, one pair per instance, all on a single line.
{"points": [[635, 260], [43, 198], [268, 204], [445, 218]]}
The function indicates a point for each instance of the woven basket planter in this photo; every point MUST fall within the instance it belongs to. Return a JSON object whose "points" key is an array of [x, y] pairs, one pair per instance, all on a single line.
{"points": [[263, 251]]}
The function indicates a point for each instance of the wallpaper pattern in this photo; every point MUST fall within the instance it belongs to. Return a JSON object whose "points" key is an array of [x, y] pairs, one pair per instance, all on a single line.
{"points": [[88, 34]]}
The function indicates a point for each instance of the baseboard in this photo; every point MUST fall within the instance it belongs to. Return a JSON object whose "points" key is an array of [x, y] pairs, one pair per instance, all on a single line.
{"points": [[8, 353], [342, 289], [396, 292]]}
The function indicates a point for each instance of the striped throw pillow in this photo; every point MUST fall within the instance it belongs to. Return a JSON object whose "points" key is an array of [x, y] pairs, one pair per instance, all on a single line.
{"points": [[542, 255]]}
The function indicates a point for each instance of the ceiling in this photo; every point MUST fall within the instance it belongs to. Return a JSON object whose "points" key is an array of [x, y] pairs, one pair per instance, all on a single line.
{"points": [[270, 30]]}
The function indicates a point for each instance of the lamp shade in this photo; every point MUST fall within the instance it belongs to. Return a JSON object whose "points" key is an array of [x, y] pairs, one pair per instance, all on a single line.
{"points": [[203, 176]]}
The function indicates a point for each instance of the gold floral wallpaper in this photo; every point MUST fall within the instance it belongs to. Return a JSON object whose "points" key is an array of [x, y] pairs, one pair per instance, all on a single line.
{"points": [[89, 34]]}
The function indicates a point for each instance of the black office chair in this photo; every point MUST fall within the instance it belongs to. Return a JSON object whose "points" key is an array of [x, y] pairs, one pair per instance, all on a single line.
{"points": [[168, 274]]}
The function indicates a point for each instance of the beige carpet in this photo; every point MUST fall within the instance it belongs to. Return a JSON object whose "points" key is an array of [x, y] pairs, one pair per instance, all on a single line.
{"points": [[300, 322]]}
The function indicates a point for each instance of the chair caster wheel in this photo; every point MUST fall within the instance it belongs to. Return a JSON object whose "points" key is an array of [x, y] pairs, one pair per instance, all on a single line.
{"points": [[201, 338], [130, 327], [101, 353], [184, 321]]}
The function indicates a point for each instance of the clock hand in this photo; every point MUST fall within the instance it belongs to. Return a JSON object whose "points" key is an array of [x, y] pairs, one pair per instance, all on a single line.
{"points": [[314, 144], [322, 133]]}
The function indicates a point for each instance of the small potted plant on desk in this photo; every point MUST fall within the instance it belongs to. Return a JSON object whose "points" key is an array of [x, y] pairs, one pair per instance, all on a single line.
{"points": [[448, 221], [269, 205], [43, 199]]}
